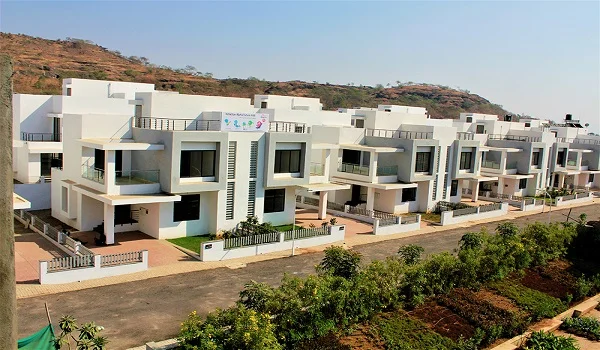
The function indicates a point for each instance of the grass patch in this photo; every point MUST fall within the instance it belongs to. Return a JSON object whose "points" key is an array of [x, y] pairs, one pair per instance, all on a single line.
{"points": [[400, 331], [288, 227], [538, 304], [587, 327], [191, 243], [433, 217]]}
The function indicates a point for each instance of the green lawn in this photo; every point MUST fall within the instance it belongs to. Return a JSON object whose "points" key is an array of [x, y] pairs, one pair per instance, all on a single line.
{"points": [[192, 242], [288, 227]]}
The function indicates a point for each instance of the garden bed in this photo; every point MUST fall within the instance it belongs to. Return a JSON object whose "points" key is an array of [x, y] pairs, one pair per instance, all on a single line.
{"points": [[552, 279], [443, 321]]}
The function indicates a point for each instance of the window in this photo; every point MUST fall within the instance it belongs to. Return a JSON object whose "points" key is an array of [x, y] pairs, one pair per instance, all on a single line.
{"points": [[263, 104], [591, 178], [287, 161], [138, 111], [251, 197], [522, 184], [465, 160], [229, 204], [253, 158], [274, 200], [65, 199], [535, 158], [527, 124], [480, 129], [454, 188], [360, 123], [486, 186], [409, 194], [45, 164], [560, 158], [187, 209], [68, 91], [469, 119], [422, 163], [387, 110], [197, 164]]}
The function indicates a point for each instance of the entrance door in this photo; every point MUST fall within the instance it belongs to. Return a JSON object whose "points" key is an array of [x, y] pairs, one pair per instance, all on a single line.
{"points": [[122, 214]]}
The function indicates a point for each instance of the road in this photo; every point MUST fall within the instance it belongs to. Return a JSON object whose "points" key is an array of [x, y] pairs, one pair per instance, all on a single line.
{"points": [[150, 310]]}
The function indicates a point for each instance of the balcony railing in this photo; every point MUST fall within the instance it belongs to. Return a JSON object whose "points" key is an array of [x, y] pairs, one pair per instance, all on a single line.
{"points": [[137, 177], [40, 137], [571, 162], [92, 173], [387, 170], [298, 128], [177, 124], [397, 134], [353, 169], [514, 138], [490, 164], [511, 165], [317, 169], [587, 141], [464, 136]]}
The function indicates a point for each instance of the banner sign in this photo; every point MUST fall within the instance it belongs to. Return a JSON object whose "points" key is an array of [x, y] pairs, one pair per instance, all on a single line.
{"points": [[231, 121]]}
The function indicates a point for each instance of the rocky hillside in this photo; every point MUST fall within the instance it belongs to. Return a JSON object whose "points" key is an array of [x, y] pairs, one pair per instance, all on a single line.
{"points": [[40, 64]]}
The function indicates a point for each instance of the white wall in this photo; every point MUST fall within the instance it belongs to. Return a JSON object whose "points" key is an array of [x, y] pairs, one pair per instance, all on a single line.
{"points": [[103, 88], [37, 194]]}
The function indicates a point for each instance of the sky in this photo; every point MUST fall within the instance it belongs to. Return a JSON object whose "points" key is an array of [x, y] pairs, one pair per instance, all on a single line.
{"points": [[536, 58]]}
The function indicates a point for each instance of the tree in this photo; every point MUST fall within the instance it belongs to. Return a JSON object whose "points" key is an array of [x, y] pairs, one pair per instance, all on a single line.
{"points": [[88, 338], [190, 69], [340, 262], [507, 229], [471, 240], [411, 254]]}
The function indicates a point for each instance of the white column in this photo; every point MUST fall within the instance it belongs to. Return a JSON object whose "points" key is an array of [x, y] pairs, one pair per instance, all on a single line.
{"points": [[327, 163], [561, 180], [475, 190], [109, 172], [109, 223], [373, 164], [500, 185], [370, 198], [322, 205]]}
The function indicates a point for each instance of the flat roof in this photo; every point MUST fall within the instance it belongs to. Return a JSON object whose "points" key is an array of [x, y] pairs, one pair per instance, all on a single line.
{"points": [[501, 149], [381, 186], [120, 199], [375, 149], [121, 144], [20, 202], [481, 178], [580, 150], [568, 172], [331, 186]]}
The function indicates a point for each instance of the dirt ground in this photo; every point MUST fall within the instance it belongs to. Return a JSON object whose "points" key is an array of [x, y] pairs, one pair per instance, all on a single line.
{"points": [[443, 321]]}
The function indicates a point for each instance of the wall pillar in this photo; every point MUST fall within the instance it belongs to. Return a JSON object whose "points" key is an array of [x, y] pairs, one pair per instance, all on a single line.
{"points": [[561, 180], [110, 171], [370, 198], [322, 205], [474, 190], [500, 185], [109, 223]]}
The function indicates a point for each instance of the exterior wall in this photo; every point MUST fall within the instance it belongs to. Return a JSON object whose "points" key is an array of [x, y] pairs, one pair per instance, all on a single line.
{"points": [[103, 88], [37, 194], [448, 219]]}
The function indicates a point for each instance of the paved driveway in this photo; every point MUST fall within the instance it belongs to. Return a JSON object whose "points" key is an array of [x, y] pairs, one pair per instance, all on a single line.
{"points": [[30, 248], [149, 310]]}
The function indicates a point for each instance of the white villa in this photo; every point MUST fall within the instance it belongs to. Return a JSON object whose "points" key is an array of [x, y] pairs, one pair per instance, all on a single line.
{"points": [[172, 165]]}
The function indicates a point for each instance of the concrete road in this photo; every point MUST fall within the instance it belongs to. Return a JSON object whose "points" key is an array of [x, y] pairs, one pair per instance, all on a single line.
{"points": [[138, 312]]}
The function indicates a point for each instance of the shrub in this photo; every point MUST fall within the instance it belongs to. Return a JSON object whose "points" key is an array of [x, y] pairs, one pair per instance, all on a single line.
{"points": [[411, 254], [538, 304], [89, 337], [587, 327], [547, 241], [472, 240], [340, 262], [402, 332], [233, 328], [546, 340], [507, 229], [438, 274]]}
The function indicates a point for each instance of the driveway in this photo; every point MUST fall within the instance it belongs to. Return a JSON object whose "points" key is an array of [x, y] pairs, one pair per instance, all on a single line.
{"points": [[138, 312]]}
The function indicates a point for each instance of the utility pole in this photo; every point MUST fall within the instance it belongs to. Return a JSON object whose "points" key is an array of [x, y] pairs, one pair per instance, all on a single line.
{"points": [[8, 295]]}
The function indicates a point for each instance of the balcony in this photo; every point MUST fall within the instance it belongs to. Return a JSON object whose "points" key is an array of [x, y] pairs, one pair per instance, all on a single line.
{"points": [[137, 177], [353, 169], [490, 164], [586, 141], [466, 136], [298, 128], [317, 169], [92, 173], [41, 137], [177, 124], [396, 134], [387, 170], [571, 162], [514, 138]]}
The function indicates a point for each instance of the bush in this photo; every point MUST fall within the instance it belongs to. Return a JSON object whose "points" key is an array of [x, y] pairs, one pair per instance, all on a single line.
{"points": [[438, 274], [233, 328], [411, 254], [538, 304], [587, 327], [340, 262], [89, 337], [547, 241], [402, 332], [546, 340]]}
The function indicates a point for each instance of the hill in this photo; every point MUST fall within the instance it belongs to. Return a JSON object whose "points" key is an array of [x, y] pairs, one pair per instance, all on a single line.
{"points": [[41, 64]]}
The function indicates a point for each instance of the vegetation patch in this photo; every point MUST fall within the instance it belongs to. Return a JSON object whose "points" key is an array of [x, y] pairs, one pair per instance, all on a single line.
{"points": [[496, 322], [546, 340], [191, 243], [288, 227], [587, 327], [538, 304], [552, 279], [399, 331]]}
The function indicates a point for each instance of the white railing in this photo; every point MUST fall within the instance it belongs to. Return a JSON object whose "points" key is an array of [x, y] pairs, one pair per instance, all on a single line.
{"points": [[177, 124], [306, 233], [298, 128], [121, 258], [397, 134], [70, 262]]}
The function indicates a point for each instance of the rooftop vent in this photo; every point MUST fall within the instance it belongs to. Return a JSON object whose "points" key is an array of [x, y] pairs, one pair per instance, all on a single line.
{"points": [[569, 117]]}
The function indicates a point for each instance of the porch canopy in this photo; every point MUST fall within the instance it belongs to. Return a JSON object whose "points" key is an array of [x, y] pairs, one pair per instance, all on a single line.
{"points": [[120, 144], [500, 149], [374, 149], [568, 172], [332, 186]]}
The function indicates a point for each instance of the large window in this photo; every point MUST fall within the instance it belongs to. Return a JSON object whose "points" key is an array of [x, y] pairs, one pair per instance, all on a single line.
{"points": [[591, 178], [409, 194], [522, 184], [422, 164], [480, 129], [197, 164], [287, 161], [560, 158], [454, 188], [274, 200], [187, 209], [465, 160], [535, 158]]}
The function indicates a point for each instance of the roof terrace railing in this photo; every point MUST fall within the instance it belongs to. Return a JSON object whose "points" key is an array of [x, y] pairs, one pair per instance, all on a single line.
{"points": [[41, 136], [298, 128], [468, 136], [514, 138], [586, 141], [177, 124], [397, 134]]}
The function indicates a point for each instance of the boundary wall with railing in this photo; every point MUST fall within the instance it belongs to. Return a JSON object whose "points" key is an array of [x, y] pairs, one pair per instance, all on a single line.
{"points": [[240, 247], [450, 217], [573, 199]]}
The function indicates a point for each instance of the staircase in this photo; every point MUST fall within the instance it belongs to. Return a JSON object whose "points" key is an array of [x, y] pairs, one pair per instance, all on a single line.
{"points": [[99, 228]]}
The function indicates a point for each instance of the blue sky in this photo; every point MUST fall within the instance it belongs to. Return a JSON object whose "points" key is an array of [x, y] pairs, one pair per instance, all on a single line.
{"points": [[538, 58]]}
